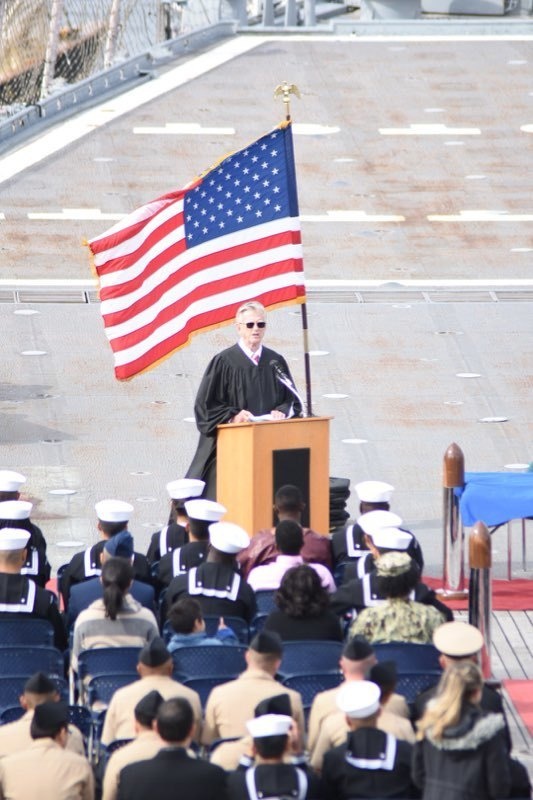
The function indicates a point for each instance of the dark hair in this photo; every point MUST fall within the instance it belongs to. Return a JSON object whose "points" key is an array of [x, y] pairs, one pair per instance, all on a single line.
{"points": [[22, 524], [199, 528], [117, 574], [399, 585], [289, 537], [9, 496], [50, 732], [288, 498], [111, 528], [175, 719], [271, 746], [183, 614], [301, 593]]}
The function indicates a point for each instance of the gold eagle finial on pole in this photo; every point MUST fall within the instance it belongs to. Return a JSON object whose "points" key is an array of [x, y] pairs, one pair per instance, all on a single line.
{"points": [[284, 90]]}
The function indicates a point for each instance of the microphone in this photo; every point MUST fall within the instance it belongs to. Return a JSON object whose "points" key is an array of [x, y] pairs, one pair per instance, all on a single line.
{"points": [[276, 366]]}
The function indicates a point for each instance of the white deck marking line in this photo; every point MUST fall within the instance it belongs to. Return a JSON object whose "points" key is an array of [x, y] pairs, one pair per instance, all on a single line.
{"points": [[2, 215], [427, 129], [183, 128], [75, 214], [380, 283], [527, 128], [63, 134], [480, 215], [351, 216]]}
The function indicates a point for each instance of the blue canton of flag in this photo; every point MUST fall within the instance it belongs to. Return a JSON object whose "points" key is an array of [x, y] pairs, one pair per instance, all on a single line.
{"points": [[247, 188]]}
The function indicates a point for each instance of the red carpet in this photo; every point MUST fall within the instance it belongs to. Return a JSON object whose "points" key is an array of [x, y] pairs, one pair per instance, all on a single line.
{"points": [[521, 693], [506, 595]]}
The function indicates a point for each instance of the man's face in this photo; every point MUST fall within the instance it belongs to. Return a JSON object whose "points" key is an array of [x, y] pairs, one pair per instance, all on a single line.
{"points": [[252, 337]]}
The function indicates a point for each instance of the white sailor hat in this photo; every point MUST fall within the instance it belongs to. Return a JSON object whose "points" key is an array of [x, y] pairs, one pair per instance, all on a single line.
{"points": [[113, 510], [15, 509], [185, 488], [206, 510], [374, 520], [374, 491], [391, 538], [269, 725], [458, 639], [13, 539], [358, 699], [228, 537], [11, 481]]}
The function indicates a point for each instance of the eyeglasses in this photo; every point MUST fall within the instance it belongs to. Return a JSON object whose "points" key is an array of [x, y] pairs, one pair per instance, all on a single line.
{"points": [[251, 325]]}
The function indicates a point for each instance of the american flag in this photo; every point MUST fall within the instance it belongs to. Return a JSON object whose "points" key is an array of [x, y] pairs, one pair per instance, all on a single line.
{"points": [[186, 261]]}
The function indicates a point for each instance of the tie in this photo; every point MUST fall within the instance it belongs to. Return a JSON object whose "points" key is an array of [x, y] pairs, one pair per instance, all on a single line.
{"points": [[255, 358]]}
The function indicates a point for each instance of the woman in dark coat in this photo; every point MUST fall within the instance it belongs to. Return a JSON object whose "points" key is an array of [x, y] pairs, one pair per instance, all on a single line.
{"points": [[461, 753], [303, 608]]}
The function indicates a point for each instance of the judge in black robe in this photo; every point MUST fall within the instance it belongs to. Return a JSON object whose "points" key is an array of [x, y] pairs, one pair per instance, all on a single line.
{"points": [[234, 388]]}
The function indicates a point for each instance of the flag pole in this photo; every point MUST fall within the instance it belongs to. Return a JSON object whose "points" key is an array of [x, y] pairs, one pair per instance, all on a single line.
{"points": [[284, 90]]}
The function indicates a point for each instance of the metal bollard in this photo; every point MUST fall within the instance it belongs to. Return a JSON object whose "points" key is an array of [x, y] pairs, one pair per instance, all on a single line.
{"points": [[51, 47], [453, 577], [480, 596]]}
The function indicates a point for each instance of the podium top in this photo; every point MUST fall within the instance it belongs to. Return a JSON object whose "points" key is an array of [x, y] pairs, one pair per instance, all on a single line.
{"points": [[291, 420]]}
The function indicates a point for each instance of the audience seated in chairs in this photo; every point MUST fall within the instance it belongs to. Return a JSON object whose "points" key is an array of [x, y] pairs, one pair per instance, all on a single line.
{"points": [[172, 772], [113, 517], [303, 608], [145, 744], [155, 673], [175, 533], [289, 541], [371, 762], [188, 627], [400, 618], [232, 704], [461, 751], [273, 737], [217, 584], [117, 619], [288, 504], [46, 769], [16, 736]]}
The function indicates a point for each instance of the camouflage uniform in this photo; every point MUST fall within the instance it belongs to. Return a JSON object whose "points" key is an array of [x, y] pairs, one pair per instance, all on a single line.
{"points": [[398, 620]]}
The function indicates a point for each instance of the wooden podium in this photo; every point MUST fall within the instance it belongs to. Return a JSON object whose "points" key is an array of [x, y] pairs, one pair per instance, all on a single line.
{"points": [[255, 458]]}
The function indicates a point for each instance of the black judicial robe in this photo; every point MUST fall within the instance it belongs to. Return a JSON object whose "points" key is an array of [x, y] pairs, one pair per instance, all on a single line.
{"points": [[372, 763], [363, 592], [166, 540], [231, 383], [181, 560]]}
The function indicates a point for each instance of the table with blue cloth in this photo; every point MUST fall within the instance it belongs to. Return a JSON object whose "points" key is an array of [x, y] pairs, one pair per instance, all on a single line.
{"points": [[496, 498]]}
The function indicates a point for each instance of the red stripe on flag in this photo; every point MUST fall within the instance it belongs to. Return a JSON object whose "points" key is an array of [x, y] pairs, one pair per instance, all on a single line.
{"points": [[194, 267], [196, 325], [199, 293]]}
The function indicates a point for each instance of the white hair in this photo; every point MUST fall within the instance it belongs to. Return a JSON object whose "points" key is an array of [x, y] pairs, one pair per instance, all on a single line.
{"points": [[250, 305]]}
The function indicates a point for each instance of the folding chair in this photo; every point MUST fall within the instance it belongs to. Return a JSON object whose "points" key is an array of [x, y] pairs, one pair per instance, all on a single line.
{"points": [[200, 660], [238, 625], [12, 686], [310, 656], [265, 600], [105, 660], [408, 656], [204, 684], [310, 683], [410, 684], [28, 659], [101, 688], [22, 631], [11, 714]]}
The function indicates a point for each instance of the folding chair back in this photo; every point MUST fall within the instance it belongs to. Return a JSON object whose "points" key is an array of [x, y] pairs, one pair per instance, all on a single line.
{"points": [[22, 631], [408, 656], [28, 659], [310, 657], [200, 660]]}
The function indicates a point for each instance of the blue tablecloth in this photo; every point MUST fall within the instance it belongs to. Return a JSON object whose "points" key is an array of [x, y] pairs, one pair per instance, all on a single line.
{"points": [[495, 497]]}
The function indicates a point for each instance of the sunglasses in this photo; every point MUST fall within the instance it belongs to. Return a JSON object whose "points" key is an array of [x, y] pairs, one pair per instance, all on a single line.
{"points": [[251, 325]]}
